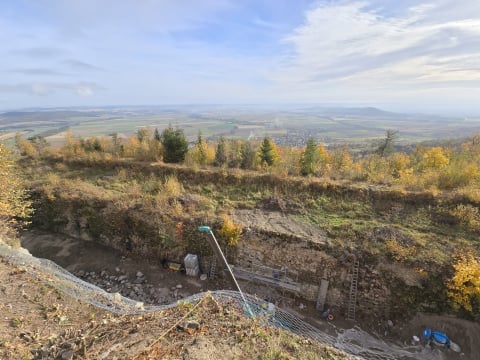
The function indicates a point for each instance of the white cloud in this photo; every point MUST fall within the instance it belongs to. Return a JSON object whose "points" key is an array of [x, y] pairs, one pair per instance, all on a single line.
{"points": [[157, 51], [353, 44], [80, 65], [82, 89]]}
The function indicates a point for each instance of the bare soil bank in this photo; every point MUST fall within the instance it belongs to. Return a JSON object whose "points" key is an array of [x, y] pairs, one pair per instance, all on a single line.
{"points": [[77, 255]]}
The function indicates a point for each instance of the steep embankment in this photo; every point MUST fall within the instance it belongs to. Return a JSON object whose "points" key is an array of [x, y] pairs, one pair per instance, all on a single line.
{"points": [[405, 241], [122, 275], [41, 322]]}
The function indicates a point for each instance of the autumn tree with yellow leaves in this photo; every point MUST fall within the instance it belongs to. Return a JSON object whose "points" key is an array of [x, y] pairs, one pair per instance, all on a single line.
{"points": [[25, 147], [435, 158], [464, 286]]}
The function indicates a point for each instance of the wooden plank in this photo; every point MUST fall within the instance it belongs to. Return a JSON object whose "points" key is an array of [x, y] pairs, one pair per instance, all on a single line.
{"points": [[322, 294]]}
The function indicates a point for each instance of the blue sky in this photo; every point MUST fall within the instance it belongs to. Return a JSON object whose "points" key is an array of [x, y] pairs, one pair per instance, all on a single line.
{"points": [[398, 55]]}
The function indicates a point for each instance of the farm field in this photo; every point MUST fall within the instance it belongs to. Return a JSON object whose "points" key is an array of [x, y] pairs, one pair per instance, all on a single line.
{"points": [[287, 126]]}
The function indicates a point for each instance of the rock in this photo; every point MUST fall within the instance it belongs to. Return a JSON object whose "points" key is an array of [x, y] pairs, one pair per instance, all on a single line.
{"points": [[139, 274], [138, 281], [41, 353], [179, 286], [203, 277], [189, 326], [67, 355], [26, 336], [117, 269], [390, 323], [122, 277], [103, 273]]}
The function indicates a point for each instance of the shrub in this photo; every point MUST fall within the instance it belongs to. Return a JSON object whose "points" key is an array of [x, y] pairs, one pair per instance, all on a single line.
{"points": [[230, 230], [458, 175], [172, 187], [464, 286], [467, 215], [398, 251]]}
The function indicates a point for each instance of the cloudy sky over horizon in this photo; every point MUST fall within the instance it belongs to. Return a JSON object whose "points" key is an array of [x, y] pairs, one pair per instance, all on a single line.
{"points": [[397, 55]]}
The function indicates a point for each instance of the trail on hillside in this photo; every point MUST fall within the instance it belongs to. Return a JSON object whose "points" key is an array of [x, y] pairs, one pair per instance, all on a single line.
{"points": [[354, 341]]}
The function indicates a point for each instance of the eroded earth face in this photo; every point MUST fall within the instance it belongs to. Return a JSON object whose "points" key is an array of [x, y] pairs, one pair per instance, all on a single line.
{"points": [[151, 283]]}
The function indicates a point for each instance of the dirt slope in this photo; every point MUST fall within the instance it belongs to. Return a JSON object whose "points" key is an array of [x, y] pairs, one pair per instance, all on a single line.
{"points": [[39, 322]]}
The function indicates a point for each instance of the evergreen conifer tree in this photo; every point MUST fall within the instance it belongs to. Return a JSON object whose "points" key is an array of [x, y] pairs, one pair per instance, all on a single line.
{"points": [[310, 159], [221, 153], [175, 145], [267, 153]]}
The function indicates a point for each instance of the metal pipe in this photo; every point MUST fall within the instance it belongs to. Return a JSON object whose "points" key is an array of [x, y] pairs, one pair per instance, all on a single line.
{"points": [[219, 251], [230, 271]]}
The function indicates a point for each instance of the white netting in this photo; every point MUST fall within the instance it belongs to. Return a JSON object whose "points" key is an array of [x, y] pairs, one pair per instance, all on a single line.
{"points": [[354, 341]]}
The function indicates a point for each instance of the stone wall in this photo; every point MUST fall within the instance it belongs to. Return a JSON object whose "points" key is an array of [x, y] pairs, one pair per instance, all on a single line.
{"points": [[308, 263]]}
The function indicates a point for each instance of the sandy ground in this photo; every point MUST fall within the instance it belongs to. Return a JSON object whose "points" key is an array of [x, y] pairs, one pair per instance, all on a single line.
{"points": [[76, 255]]}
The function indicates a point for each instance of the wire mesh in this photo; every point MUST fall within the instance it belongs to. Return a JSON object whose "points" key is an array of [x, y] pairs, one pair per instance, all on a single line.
{"points": [[354, 341]]}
